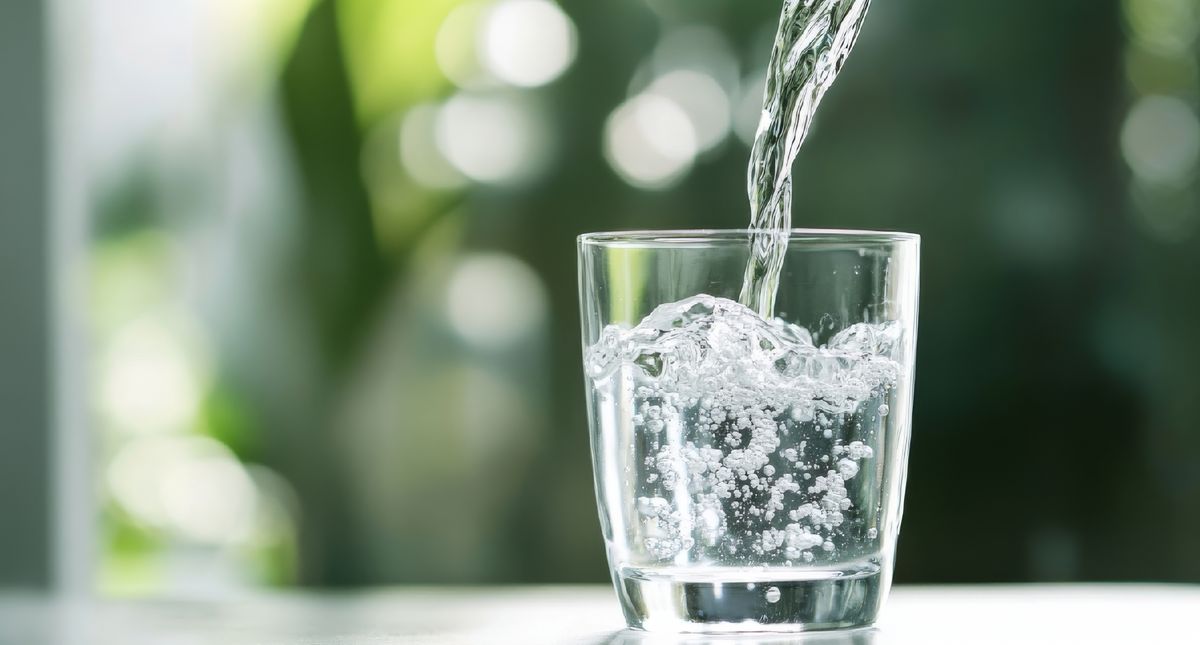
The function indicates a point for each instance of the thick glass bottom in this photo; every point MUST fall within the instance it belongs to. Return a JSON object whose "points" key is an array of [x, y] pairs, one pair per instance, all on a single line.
{"points": [[740, 599]]}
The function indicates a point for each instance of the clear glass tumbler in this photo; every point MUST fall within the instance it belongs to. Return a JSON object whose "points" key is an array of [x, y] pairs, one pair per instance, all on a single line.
{"points": [[749, 471]]}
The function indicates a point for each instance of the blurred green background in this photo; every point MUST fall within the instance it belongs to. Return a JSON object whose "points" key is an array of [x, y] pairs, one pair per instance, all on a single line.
{"points": [[332, 295]]}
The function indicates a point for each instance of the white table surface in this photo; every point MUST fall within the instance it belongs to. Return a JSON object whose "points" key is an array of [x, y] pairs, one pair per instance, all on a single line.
{"points": [[1033, 614]]}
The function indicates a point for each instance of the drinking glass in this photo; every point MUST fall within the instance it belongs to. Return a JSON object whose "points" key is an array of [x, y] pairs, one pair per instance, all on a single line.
{"points": [[749, 470]]}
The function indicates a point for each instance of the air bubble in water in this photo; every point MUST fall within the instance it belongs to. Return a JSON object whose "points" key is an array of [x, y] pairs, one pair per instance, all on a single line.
{"points": [[884, 409], [773, 595]]}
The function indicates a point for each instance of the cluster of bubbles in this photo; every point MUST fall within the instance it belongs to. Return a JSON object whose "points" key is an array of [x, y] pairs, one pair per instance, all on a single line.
{"points": [[744, 423]]}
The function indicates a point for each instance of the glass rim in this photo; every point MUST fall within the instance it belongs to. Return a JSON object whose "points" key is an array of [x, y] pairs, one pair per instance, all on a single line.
{"points": [[688, 237]]}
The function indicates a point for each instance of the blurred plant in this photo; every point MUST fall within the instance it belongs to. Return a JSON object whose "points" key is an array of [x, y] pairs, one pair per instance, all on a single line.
{"points": [[220, 370], [187, 505]]}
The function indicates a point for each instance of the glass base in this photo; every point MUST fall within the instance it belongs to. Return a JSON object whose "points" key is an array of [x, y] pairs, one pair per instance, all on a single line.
{"points": [[730, 600]]}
